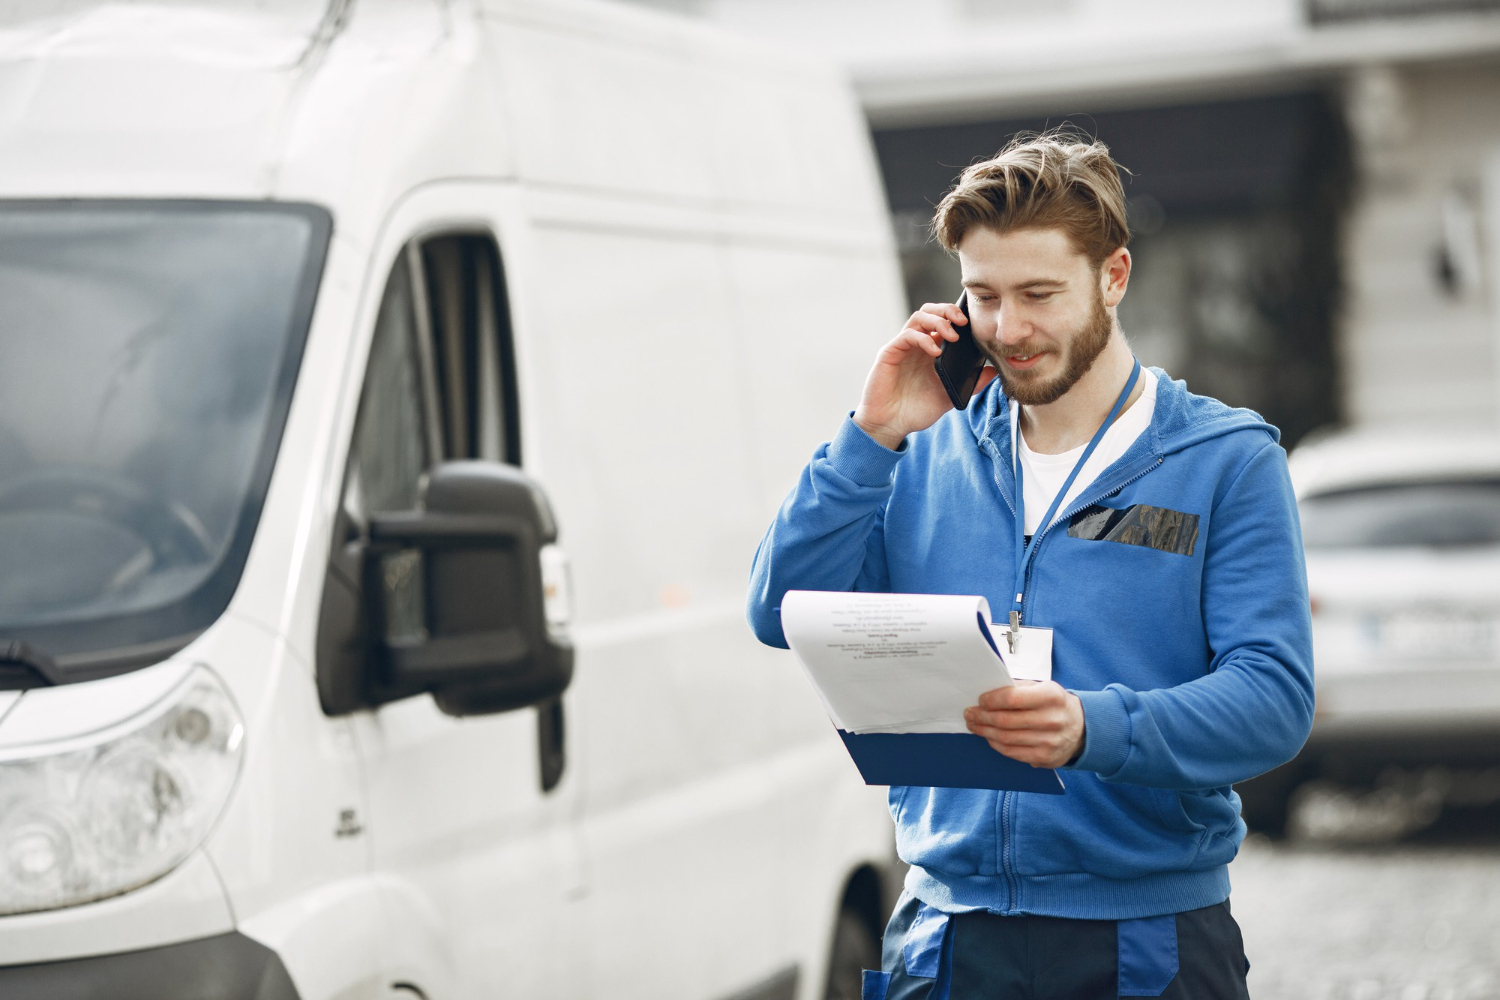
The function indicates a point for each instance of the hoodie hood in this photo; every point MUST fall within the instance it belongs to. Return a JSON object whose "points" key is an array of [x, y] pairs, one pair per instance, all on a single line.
{"points": [[1181, 420]]}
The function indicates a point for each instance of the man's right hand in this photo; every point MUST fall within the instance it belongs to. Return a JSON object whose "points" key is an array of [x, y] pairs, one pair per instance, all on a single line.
{"points": [[903, 393]]}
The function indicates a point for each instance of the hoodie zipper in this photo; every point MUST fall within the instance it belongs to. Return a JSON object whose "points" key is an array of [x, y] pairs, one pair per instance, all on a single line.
{"points": [[1007, 868], [1007, 801]]}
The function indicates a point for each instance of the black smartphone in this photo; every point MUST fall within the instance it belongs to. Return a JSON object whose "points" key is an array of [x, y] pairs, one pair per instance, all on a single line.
{"points": [[961, 361]]}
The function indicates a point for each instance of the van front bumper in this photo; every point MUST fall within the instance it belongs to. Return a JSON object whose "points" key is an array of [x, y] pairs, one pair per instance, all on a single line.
{"points": [[224, 967]]}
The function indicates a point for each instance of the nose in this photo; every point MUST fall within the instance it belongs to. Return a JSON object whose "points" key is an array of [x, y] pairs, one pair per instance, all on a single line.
{"points": [[1010, 328]]}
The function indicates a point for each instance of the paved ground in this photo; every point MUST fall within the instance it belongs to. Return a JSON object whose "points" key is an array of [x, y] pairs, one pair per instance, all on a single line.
{"points": [[1415, 918]]}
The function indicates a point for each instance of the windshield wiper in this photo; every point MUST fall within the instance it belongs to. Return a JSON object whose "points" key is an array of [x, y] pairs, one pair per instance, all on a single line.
{"points": [[22, 667]]}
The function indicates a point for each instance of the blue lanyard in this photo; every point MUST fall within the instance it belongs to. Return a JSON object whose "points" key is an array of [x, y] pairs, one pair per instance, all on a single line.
{"points": [[1024, 552]]}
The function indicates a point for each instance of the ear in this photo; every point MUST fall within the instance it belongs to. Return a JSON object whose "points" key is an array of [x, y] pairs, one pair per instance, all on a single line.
{"points": [[1114, 275]]}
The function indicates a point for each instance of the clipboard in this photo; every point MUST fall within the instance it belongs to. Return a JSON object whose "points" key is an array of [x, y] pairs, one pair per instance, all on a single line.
{"points": [[895, 673], [944, 760]]}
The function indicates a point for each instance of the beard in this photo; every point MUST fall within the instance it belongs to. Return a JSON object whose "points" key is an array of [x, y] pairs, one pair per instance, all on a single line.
{"points": [[1083, 348]]}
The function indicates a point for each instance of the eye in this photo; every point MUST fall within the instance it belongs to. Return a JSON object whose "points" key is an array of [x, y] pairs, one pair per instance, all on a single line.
{"points": [[1040, 296]]}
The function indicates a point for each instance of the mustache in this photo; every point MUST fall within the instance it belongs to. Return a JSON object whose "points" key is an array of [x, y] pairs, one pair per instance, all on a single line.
{"points": [[1019, 351]]}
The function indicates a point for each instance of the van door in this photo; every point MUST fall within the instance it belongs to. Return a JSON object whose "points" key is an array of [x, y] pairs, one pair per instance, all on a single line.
{"points": [[686, 772], [469, 817]]}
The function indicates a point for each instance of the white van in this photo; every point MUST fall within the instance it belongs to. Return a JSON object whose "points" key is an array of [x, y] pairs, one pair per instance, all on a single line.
{"points": [[325, 329]]}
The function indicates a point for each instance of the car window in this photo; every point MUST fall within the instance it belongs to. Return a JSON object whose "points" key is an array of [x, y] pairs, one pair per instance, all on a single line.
{"points": [[440, 383], [1431, 515], [390, 443]]}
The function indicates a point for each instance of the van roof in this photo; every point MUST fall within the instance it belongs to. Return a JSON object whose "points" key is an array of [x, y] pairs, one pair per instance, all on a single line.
{"points": [[351, 103]]}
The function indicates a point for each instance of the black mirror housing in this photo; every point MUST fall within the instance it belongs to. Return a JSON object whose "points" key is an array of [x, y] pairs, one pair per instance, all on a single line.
{"points": [[456, 594]]}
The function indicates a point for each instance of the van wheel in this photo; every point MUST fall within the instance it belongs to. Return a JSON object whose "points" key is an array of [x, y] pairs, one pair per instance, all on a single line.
{"points": [[855, 948]]}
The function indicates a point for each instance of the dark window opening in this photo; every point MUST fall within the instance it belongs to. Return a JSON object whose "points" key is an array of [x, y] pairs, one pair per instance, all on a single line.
{"points": [[1235, 208], [473, 359]]}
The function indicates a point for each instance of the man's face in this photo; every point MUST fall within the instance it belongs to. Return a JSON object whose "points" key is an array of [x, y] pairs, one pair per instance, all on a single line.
{"points": [[1037, 307]]}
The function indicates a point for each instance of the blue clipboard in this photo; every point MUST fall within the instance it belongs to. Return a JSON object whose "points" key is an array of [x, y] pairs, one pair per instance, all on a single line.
{"points": [[944, 760]]}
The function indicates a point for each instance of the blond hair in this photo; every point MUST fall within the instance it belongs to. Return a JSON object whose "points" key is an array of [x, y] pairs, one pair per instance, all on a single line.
{"points": [[1055, 180]]}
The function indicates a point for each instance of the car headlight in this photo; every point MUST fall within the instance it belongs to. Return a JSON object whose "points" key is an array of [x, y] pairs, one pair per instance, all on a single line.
{"points": [[103, 814]]}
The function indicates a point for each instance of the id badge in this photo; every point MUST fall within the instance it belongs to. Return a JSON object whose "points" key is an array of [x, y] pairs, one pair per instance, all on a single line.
{"points": [[1032, 660]]}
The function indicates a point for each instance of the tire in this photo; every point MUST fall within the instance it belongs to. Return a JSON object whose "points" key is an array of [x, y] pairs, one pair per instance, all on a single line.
{"points": [[855, 948]]}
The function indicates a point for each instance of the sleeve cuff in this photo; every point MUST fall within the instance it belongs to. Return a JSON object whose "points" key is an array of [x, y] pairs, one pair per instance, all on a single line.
{"points": [[861, 458], [1106, 732]]}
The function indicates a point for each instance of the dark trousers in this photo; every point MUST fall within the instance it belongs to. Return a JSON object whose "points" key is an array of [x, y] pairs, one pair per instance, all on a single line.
{"points": [[930, 955]]}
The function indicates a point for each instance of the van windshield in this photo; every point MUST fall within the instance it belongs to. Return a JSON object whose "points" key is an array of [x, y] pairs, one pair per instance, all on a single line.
{"points": [[148, 352]]}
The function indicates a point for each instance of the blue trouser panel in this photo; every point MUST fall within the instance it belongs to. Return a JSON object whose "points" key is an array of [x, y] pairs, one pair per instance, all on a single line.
{"points": [[929, 955]]}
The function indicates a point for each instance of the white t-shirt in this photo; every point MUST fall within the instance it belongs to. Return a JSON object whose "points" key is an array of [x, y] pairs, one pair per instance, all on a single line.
{"points": [[1044, 474]]}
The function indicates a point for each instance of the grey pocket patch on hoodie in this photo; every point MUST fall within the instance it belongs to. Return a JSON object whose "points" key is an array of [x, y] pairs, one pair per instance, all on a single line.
{"points": [[1140, 524]]}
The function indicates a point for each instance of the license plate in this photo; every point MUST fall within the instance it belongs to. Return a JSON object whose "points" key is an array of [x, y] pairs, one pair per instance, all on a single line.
{"points": [[1438, 636]]}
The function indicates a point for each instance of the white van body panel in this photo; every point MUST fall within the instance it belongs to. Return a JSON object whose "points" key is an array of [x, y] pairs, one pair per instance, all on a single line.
{"points": [[277, 838], [141, 101], [660, 629], [686, 290], [330, 938]]}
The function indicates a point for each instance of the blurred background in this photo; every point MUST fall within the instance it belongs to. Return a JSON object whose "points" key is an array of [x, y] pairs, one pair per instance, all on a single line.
{"points": [[1312, 181]]}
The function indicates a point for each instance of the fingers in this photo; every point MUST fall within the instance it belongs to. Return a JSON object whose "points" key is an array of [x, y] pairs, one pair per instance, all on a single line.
{"points": [[1039, 748], [1039, 724], [1014, 722], [1021, 707], [1035, 756], [1014, 737], [948, 310], [1035, 749], [937, 319], [1023, 696], [921, 340]]}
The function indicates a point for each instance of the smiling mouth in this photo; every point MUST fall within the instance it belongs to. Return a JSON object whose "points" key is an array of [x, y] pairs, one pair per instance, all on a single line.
{"points": [[1022, 361]]}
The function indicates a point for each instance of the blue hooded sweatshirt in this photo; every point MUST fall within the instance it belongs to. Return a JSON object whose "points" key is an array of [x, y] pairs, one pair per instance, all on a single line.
{"points": [[1176, 589]]}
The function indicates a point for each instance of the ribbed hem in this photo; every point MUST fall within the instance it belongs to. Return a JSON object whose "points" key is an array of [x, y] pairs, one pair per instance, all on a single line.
{"points": [[1106, 733], [860, 458], [1076, 895]]}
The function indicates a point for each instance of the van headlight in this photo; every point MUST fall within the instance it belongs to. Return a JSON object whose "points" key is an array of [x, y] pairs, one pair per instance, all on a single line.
{"points": [[103, 814]]}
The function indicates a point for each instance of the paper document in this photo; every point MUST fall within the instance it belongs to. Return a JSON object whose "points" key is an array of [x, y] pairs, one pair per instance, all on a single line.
{"points": [[894, 663]]}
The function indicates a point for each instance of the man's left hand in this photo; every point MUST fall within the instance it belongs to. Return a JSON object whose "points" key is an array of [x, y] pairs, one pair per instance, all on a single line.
{"points": [[1039, 724]]}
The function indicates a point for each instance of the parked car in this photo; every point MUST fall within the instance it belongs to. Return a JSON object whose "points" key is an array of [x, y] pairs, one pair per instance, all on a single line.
{"points": [[1402, 535], [395, 393]]}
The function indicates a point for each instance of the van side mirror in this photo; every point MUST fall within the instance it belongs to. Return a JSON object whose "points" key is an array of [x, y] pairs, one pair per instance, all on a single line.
{"points": [[456, 596]]}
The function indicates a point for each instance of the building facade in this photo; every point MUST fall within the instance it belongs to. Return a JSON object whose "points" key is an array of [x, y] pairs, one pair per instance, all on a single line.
{"points": [[1314, 189]]}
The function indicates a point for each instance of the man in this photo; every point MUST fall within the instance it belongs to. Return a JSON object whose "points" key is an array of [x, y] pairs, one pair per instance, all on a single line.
{"points": [[1170, 571]]}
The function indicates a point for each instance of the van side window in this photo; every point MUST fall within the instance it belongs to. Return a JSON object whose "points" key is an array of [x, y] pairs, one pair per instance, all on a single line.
{"points": [[390, 450], [440, 383], [473, 363]]}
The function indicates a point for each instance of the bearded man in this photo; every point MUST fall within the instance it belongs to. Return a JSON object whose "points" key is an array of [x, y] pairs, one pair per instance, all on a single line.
{"points": [[1152, 530]]}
